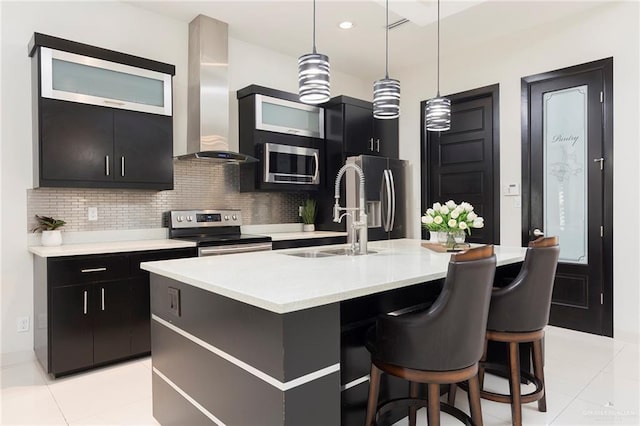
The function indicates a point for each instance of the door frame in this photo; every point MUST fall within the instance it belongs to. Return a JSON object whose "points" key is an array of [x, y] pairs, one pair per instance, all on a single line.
{"points": [[492, 90], [605, 66]]}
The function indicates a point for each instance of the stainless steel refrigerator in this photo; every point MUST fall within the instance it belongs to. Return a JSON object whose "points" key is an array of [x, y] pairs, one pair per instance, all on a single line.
{"points": [[385, 182]]}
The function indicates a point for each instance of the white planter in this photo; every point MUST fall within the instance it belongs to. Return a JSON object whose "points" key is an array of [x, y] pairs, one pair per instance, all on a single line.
{"points": [[308, 227], [51, 238]]}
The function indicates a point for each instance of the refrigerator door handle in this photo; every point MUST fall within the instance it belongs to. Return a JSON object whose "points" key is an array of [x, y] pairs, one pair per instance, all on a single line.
{"points": [[388, 199], [383, 199], [393, 201]]}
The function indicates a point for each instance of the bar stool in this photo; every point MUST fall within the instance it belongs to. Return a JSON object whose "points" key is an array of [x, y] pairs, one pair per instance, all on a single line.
{"points": [[439, 345], [518, 314]]}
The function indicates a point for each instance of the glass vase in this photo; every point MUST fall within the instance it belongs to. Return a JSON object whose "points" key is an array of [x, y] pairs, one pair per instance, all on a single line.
{"points": [[450, 239]]}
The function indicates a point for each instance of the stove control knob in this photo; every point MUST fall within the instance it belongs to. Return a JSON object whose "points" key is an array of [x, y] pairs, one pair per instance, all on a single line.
{"points": [[189, 218], [226, 218], [180, 218], [234, 217]]}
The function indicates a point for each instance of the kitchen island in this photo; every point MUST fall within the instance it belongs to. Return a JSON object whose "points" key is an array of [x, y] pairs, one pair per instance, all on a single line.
{"points": [[275, 338]]}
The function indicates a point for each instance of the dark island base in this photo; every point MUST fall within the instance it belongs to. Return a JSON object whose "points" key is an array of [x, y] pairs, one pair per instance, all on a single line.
{"points": [[220, 361]]}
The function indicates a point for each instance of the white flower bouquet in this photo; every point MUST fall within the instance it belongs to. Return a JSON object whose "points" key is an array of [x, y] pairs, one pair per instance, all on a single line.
{"points": [[451, 217]]}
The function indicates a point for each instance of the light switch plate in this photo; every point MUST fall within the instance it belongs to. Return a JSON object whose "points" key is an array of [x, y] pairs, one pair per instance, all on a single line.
{"points": [[511, 189], [174, 301]]}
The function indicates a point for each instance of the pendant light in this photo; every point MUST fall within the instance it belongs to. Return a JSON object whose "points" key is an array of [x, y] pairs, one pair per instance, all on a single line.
{"points": [[438, 110], [386, 91], [313, 73]]}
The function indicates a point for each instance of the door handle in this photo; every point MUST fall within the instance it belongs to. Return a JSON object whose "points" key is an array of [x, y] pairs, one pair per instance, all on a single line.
{"points": [[315, 174], [387, 186], [538, 233], [85, 302], [106, 165], [393, 201], [122, 166], [93, 270], [599, 160], [377, 145], [371, 144], [383, 199], [102, 298]]}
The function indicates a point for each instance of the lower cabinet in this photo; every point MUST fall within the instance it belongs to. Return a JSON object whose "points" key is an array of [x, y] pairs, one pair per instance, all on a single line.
{"points": [[93, 310]]}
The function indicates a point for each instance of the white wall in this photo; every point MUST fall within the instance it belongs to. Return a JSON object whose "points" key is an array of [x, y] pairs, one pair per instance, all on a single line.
{"points": [[116, 26], [607, 31]]}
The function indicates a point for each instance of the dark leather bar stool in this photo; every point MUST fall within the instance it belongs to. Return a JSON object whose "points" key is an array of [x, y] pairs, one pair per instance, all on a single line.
{"points": [[518, 314], [439, 345]]}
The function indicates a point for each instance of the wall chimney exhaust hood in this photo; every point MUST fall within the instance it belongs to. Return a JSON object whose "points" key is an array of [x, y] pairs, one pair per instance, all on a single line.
{"points": [[208, 93]]}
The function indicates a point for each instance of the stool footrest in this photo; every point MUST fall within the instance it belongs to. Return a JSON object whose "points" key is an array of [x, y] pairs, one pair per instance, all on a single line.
{"points": [[420, 403], [525, 398]]}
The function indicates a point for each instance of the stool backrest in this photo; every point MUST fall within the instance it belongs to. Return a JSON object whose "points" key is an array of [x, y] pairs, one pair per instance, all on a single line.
{"points": [[524, 304], [450, 334]]}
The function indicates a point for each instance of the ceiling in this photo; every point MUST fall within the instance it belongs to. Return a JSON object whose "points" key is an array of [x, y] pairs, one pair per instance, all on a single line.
{"points": [[286, 26]]}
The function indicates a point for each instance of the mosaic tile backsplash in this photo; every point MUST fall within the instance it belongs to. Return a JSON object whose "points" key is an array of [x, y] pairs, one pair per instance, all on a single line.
{"points": [[198, 184]]}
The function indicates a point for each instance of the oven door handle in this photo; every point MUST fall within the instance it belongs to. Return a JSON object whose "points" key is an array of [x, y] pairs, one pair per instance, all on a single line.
{"points": [[213, 251]]}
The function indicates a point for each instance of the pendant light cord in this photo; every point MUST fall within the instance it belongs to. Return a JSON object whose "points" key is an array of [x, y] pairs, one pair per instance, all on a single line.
{"points": [[438, 79], [387, 43], [314, 27]]}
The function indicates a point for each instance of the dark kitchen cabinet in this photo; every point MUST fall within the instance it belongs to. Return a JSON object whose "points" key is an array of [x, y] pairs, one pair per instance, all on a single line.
{"points": [[93, 310], [98, 126], [350, 123]]}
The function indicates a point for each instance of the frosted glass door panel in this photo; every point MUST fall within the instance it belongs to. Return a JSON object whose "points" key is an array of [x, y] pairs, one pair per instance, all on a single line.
{"points": [[104, 83], [70, 77], [279, 115], [565, 171]]}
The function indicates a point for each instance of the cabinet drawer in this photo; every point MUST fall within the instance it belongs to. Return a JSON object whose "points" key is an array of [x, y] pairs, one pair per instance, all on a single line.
{"points": [[85, 269], [150, 256]]}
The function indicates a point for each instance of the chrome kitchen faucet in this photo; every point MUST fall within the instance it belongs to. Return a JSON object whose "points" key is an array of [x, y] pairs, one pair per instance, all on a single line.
{"points": [[357, 232]]}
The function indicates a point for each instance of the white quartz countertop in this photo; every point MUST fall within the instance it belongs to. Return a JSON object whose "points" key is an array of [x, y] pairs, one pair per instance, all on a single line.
{"points": [[300, 235], [280, 283], [108, 247]]}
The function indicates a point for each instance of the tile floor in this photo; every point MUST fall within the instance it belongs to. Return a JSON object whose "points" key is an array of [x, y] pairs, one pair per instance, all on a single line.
{"points": [[591, 380]]}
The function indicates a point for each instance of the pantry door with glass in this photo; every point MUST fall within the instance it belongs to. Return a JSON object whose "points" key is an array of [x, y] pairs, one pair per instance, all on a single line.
{"points": [[567, 188]]}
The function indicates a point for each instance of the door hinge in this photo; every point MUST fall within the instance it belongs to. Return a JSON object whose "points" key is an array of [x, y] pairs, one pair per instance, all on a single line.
{"points": [[601, 97], [602, 298], [601, 231]]}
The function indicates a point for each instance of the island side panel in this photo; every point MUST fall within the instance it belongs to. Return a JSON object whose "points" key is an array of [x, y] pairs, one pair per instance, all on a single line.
{"points": [[241, 364]]}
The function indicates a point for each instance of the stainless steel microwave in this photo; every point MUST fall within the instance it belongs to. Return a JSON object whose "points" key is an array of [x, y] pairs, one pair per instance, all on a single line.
{"points": [[291, 164]]}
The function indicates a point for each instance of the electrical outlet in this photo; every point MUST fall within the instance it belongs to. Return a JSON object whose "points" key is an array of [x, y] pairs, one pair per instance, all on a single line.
{"points": [[92, 213], [22, 324]]}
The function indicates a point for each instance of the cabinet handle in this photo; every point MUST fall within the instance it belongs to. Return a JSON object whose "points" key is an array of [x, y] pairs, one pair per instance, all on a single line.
{"points": [[377, 145], [85, 302], [102, 298], [294, 131], [106, 164], [122, 166], [93, 270], [113, 102], [371, 144]]}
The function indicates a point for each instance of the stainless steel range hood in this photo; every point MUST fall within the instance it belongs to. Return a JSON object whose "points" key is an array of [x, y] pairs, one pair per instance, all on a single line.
{"points": [[208, 93]]}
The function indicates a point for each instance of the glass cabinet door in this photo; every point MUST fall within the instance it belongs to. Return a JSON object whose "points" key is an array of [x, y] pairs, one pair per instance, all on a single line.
{"points": [[279, 115], [71, 77]]}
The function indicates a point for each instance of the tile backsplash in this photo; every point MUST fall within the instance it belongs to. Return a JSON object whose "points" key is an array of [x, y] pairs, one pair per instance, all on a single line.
{"points": [[198, 184]]}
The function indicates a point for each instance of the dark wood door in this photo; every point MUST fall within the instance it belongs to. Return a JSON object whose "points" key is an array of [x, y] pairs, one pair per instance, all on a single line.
{"points": [[71, 323], [111, 323], [143, 148], [76, 142], [358, 130], [462, 164], [566, 154]]}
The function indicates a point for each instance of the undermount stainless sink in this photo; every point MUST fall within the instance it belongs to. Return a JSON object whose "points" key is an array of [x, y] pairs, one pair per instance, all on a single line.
{"points": [[327, 253]]}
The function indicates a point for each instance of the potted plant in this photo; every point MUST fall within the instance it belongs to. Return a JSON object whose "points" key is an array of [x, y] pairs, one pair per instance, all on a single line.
{"points": [[308, 213], [51, 235]]}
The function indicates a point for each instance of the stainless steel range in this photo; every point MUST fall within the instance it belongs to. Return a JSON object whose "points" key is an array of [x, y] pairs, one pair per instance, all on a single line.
{"points": [[215, 232]]}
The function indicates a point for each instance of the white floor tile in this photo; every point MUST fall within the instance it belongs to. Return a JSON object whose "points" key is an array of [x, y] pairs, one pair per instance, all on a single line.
{"points": [[626, 363], [584, 413], [29, 405], [21, 375], [138, 413], [95, 392], [614, 392]]}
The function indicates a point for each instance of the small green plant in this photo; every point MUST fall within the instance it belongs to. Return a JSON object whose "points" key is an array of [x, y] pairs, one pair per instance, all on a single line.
{"points": [[309, 210], [48, 224]]}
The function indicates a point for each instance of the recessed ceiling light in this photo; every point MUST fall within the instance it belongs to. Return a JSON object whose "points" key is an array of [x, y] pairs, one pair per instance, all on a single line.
{"points": [[346, 25]]}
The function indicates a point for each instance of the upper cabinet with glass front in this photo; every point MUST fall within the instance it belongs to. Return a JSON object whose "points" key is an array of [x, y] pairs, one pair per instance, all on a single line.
{"points": [[283, 116]]}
